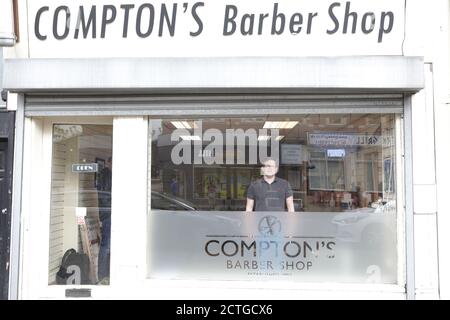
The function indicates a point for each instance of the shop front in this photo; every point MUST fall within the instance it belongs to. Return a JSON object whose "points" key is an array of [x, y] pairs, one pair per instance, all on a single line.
{"points": [[206, 175]]}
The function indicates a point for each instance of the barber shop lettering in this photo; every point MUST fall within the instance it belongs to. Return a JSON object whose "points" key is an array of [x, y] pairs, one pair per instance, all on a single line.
{"points": [[147, 20], [270, 255]]}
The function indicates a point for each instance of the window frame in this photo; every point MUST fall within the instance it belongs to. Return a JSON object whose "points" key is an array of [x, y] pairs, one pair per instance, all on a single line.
{"points": [[37, 154], [399, 128]]}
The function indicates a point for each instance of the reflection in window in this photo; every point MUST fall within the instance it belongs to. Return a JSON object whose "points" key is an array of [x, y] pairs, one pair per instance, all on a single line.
{"points": [[80, 219], [339, 171], [332, 162]]}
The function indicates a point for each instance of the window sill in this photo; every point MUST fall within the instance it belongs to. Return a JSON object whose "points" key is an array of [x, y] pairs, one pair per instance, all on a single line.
{"points": [[155, 289]]}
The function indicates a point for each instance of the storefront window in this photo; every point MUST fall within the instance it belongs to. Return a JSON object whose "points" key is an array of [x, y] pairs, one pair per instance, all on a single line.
{"points": [[80, 219], [298, 198]]}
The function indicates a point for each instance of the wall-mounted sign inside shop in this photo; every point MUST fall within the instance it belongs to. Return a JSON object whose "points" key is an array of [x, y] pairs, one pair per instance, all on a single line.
{"points": [[222, 28], [84, 167], [342, 139], [293, 154], [336, 153]]}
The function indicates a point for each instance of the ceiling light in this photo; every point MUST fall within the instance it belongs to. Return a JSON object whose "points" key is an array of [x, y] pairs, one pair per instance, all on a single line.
{"points": [[280, 124], [291, 124], [190, 138], [177, 124], [268, 125], [184, 124]]}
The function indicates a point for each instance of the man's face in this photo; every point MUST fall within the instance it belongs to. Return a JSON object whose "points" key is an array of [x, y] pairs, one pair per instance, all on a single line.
{"points": [[269, 168]]}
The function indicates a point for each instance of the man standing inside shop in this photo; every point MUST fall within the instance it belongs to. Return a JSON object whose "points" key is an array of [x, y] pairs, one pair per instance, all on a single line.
{"points": [[270, 193], [104, 203]]}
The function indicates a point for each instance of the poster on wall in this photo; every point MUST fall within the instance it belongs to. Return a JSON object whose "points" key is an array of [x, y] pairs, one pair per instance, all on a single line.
{"points": [[293, 154]]}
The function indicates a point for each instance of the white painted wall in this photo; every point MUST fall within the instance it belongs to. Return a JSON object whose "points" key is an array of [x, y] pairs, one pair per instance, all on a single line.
{"points": [[36, 201], [442, 132], [129, 201], [427, 35]]}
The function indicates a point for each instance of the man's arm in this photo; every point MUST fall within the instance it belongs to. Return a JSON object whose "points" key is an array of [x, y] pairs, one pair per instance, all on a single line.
{"points": [[289, 198], [250, 204], [250, 198], [290, 204]]}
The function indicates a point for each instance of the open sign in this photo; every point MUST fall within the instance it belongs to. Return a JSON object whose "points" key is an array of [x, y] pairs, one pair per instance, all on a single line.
{"points": [[84, 167]]}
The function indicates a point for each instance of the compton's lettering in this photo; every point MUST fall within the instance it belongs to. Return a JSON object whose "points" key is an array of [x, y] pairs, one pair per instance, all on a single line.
{"points": [[162, 20]]}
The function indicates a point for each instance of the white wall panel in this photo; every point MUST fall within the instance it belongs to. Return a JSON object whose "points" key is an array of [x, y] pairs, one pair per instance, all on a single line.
{"points": [[426, 256], [129, 200]]}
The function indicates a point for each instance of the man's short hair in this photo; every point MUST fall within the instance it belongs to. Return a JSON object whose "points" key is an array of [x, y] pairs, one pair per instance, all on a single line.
{"points": [[270, 159]]}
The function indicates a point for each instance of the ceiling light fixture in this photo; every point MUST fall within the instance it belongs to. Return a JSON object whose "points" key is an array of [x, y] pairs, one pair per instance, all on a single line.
{"points": [[184, 124], [190, 138], [280, 124]]}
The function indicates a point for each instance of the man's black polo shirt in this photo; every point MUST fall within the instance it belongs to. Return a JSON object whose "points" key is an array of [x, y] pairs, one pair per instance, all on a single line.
{"points": [[269, 197]]}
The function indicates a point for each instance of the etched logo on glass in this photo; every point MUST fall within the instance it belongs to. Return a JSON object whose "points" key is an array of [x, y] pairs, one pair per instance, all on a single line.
{"points": [[269, 226]]}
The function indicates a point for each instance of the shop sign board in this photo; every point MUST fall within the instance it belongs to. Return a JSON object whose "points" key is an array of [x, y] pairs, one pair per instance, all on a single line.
{"points": [[189, 28]]}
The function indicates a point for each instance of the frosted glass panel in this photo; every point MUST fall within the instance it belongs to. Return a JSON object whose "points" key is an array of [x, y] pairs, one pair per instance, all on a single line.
{"points": [[355, 246]]}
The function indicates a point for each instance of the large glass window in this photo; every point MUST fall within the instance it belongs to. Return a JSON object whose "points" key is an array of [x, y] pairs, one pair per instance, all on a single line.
{"points": [[80, 218], [293, 197]]}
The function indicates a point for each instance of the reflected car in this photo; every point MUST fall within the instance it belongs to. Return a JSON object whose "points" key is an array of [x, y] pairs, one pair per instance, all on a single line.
{"points": [[372, 227], [164, 201]]}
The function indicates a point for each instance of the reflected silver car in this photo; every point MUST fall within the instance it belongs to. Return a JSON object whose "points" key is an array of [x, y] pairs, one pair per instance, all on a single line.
{"points": [[373, 227], [164, 201]]}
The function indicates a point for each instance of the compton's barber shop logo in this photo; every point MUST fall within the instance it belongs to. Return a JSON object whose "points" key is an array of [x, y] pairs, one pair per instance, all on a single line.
{"points": [[268, 250], [269, 226]]}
